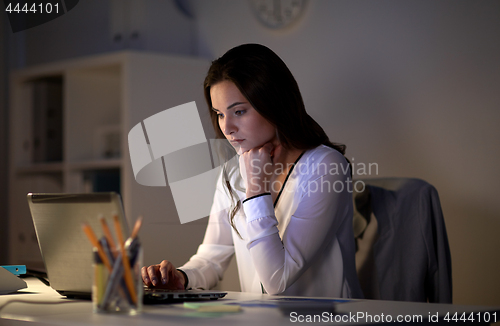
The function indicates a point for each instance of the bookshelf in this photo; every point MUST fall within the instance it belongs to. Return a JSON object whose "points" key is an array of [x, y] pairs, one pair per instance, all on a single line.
{"points": [[69, 123]]}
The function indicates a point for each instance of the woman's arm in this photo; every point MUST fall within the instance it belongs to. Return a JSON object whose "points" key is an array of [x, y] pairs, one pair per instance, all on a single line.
{"points": [[207, 266], [320, 212]]}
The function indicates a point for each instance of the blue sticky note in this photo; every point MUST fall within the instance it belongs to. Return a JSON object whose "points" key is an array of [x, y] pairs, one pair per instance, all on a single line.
{"points": [[16, 269]]}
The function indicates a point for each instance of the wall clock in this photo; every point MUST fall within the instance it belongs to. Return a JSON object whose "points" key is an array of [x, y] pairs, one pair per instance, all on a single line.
{"points": [[278, 13]]}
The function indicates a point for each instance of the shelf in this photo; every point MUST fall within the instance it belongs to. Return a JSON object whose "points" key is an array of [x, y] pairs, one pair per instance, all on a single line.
{"points": [[49, 167], [95, 164], [40, 168]]}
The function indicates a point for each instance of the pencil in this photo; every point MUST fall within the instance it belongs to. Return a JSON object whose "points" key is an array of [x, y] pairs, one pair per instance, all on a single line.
{"points": [[93, 240], [126, 263], [107, 234], [137, 227]]}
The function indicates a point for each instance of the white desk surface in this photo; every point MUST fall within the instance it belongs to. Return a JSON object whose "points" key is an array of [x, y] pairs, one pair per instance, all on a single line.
{"points": [[77, 312]]}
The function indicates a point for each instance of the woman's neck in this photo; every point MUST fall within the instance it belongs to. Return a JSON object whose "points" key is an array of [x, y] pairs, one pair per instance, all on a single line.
{"points": [[286, 159]]}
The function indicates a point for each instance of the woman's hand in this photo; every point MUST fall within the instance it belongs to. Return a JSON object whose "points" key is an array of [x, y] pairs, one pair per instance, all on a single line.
{"points": [[164, 276], [257, 168]]}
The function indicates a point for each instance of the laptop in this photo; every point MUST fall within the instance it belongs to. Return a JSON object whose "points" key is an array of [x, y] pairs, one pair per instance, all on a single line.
{"points": [[67, 252]]}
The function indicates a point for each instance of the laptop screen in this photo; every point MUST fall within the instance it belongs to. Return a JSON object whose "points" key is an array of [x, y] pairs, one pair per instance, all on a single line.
{"points": [[65, 249]]}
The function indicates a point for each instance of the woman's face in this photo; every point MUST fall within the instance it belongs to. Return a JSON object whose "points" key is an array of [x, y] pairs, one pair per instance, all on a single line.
{"points": [[242, 125]]}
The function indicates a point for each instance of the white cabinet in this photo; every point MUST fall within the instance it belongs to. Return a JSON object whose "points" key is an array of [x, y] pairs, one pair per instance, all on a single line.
{"points": [[103, 97]]}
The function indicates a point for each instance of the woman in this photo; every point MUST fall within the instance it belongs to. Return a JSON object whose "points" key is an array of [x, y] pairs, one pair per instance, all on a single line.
{"points": [[285, 208]]}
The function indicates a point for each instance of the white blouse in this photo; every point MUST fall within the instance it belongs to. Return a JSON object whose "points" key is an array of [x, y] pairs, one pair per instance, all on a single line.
{"points": [[304, 245]]}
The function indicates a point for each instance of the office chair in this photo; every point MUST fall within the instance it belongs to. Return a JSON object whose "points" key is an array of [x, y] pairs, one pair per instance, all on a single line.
{"points": [[402, 250]]}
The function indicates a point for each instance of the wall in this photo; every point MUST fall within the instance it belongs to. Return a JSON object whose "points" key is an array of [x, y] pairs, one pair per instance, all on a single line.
{"points": [[409, 85], [96, 26]]}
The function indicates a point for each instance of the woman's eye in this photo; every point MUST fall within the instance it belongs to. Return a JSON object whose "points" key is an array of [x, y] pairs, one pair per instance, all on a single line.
{"points": [[239, 112], [220, 115]]}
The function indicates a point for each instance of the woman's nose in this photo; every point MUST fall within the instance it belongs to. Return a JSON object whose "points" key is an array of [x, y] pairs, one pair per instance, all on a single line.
{"points": [[228, 127]]}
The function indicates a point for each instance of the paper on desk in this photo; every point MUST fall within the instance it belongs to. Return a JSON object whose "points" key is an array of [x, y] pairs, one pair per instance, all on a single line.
{"points": [[9, 282]]}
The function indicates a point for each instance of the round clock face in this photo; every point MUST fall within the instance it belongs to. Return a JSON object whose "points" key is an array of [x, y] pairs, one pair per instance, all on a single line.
{"points": [[278, 13]]}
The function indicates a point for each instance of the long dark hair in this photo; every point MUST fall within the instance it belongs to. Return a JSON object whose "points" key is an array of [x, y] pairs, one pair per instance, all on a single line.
{"points": [[269, 86]]}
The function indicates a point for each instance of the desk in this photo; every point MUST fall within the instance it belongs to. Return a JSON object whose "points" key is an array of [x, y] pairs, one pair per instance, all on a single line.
{"points": [[257, 309]]}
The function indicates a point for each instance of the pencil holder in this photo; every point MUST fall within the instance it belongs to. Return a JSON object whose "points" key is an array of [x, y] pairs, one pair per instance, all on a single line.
{"points": [[117, 286]]}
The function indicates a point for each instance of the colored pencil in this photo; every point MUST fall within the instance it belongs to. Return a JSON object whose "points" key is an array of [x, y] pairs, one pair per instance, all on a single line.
{"points": [[107, 234], [137, 227], [93, 240], [126, 263]]}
